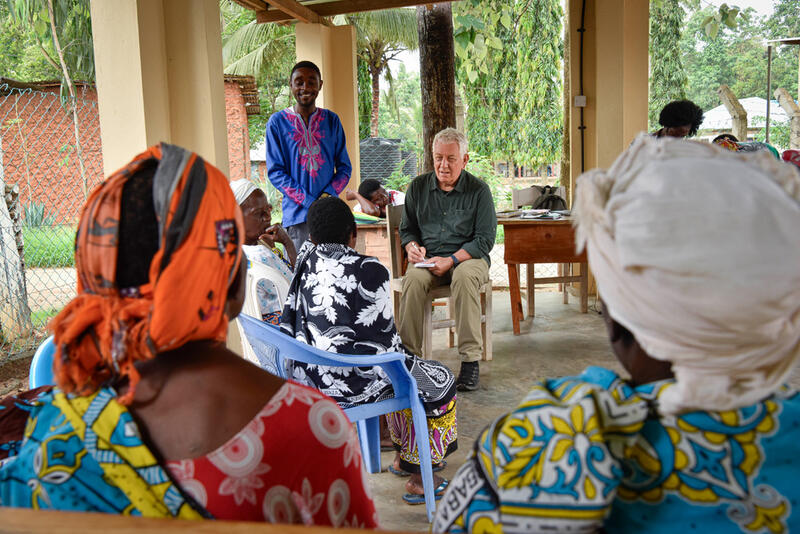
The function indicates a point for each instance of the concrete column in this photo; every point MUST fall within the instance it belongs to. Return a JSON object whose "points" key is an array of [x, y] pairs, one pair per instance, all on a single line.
{"points": [[159, 78], [615, 81], [615, 78], [333, 50]]}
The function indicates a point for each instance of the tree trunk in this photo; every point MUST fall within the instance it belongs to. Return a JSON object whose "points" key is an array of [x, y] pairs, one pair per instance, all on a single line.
{"points": [[793, 110], [565, 174], [376, 101], [437, 74], [15, 315], [73, 99]]}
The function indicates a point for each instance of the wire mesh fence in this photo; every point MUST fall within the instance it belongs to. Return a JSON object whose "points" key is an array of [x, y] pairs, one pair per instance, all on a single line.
{"points": [[50, 158]]}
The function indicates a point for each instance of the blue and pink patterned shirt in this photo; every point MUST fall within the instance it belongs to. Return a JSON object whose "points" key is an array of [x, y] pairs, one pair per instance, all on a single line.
{"points": [[304, 162]]}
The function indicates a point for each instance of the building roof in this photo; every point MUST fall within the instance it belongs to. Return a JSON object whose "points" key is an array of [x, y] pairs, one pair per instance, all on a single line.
{"points": [[317, 10], [756, 108], [247, 85]]}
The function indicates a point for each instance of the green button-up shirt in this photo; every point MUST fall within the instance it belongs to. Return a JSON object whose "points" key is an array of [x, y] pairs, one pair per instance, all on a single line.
{"points": [[444, 222]]}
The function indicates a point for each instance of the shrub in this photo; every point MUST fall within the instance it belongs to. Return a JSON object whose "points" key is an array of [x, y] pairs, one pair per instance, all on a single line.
{"points": [[34, 214]]}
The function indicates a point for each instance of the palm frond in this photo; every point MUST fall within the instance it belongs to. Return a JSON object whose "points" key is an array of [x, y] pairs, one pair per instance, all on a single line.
{"points": [[250, 37], [395, 26]]}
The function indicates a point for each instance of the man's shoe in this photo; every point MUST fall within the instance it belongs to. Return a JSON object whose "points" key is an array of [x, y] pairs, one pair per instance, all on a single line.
{"points": [[468, 377]]}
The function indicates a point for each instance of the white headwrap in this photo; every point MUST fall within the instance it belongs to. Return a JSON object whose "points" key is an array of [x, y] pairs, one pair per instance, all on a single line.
{"points": [[242, 189], [696, 251]]}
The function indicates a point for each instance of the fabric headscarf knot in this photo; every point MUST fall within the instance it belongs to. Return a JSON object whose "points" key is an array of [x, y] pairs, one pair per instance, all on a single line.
{"points": [[696, 251], [242, 189], [105, 329]]}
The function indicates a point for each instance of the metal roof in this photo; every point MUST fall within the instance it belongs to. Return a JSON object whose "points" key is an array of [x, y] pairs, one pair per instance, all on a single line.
{"points": [[317, 10]]}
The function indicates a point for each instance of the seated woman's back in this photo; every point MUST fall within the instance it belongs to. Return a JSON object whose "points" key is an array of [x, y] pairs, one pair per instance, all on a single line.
{"points": [[153, 416]]}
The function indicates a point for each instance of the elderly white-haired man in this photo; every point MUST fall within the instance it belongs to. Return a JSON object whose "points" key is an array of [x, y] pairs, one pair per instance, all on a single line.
{"points": [[448, 221]]}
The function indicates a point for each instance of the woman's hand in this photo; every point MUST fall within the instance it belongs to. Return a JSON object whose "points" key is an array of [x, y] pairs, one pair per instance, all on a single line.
{"points": [[277, 234]]}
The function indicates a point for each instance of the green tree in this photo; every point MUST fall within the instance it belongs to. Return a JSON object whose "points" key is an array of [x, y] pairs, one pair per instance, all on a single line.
{"points": [[736, 57], [381, 36], [264, 51], [668, 79], [63, 32], [508, 55], [20, 55]]}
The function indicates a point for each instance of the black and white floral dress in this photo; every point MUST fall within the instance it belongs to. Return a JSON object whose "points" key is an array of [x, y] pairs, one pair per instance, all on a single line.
{"points": [[340, 301]]}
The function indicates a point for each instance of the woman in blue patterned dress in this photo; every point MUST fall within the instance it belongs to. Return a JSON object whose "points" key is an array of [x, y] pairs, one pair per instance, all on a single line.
{"points": [[702, 308]]}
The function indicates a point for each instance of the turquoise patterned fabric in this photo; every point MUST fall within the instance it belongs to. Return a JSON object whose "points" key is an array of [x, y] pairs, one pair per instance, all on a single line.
{"points": [[589, 452], [86, 454]]}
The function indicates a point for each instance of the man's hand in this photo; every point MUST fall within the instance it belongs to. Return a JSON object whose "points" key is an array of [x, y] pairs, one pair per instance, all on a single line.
{"points": [[415, 252], [441, 265]]}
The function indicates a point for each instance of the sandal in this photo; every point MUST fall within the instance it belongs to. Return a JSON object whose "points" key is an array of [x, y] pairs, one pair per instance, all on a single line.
{"points": [[415, 498], [401, 473]]}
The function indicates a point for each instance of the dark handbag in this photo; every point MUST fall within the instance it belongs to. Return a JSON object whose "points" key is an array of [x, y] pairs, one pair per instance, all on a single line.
{"points": [[549, 200]]}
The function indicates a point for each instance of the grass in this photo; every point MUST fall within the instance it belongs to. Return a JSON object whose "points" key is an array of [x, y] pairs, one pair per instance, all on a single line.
{"points": [[49, 246], [40, 318]]}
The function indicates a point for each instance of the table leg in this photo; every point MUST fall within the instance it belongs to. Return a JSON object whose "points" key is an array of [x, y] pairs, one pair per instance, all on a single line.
{"points": [[584, 287], [530, 272], [516, 298]]}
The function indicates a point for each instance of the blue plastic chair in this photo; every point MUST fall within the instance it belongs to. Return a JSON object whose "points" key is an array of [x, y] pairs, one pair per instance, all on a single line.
{"points": [[276, 349], [41, 373]]}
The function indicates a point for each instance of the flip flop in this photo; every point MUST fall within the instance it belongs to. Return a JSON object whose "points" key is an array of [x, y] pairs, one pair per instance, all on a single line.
{"points": [[414, 498], [401, 473]]}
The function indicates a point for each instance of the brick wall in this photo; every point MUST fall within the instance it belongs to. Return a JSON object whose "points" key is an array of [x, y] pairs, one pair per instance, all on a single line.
{"points": [[238, 136], [39, 152], [37, 147]]}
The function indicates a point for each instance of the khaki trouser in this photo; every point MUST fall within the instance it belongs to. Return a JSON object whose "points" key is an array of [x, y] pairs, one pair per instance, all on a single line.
{"points": [[465, 283]]}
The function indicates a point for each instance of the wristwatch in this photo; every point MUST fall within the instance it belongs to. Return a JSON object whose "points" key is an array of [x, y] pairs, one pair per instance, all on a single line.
{"points": [[455, 260]]}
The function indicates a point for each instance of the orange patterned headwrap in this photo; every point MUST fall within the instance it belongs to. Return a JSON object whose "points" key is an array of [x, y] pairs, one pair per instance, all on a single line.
{"points": [[102, 332]]}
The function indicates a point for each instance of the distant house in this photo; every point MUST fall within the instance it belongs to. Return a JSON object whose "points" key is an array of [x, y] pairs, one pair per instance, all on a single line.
{"points": [[718, 120]]}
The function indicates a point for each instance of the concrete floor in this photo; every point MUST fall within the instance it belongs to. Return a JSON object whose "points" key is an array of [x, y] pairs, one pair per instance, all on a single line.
{"points": [[559, 341]]}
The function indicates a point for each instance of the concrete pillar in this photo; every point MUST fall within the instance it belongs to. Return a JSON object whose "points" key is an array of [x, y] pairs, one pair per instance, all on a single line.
{"points": [[159, 78], [615, 79], [333, 50], [615, 82]]}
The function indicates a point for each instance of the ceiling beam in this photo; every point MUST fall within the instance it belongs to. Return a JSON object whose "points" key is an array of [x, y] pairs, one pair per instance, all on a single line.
{"points": [[337, 7], [255, 5], [297, 11]]}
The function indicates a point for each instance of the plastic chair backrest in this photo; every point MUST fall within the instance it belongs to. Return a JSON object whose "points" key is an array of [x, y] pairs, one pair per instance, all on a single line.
{"points": [[267, 340], [41, 372], [256, 272]]}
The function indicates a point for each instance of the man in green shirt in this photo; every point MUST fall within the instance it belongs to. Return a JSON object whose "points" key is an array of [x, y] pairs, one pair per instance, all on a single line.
{"points": [[448, 222]]}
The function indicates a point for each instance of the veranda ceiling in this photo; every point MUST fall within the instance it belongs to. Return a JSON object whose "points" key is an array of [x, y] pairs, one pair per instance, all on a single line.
{"points": [[315, 10]]}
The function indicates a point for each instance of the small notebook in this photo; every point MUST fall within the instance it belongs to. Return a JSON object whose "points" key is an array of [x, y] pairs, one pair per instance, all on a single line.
{"points": [[425, 265]]}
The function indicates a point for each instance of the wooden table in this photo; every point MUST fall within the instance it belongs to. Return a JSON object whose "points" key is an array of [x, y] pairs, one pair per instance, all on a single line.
{"points": [[530, 241], [373, 240], [18, 520]]}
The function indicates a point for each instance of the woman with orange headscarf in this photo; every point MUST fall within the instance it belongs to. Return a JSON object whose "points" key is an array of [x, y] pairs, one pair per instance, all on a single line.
{"points": [[144, 420]]}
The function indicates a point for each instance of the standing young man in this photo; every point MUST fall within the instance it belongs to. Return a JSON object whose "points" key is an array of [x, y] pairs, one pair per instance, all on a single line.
{"points": [[306, 153]]}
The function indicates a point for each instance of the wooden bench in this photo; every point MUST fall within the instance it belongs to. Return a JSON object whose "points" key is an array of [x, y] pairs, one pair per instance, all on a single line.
{"points": [[19, 520]]}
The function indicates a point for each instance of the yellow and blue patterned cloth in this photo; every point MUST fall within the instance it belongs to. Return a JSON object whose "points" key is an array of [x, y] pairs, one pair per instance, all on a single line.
{"points": [[589, 452], [86, 454]]}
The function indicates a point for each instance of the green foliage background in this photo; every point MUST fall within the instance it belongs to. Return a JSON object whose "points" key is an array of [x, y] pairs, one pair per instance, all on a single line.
{"points": [[508, 67], [668, 79], [735, 56]]}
